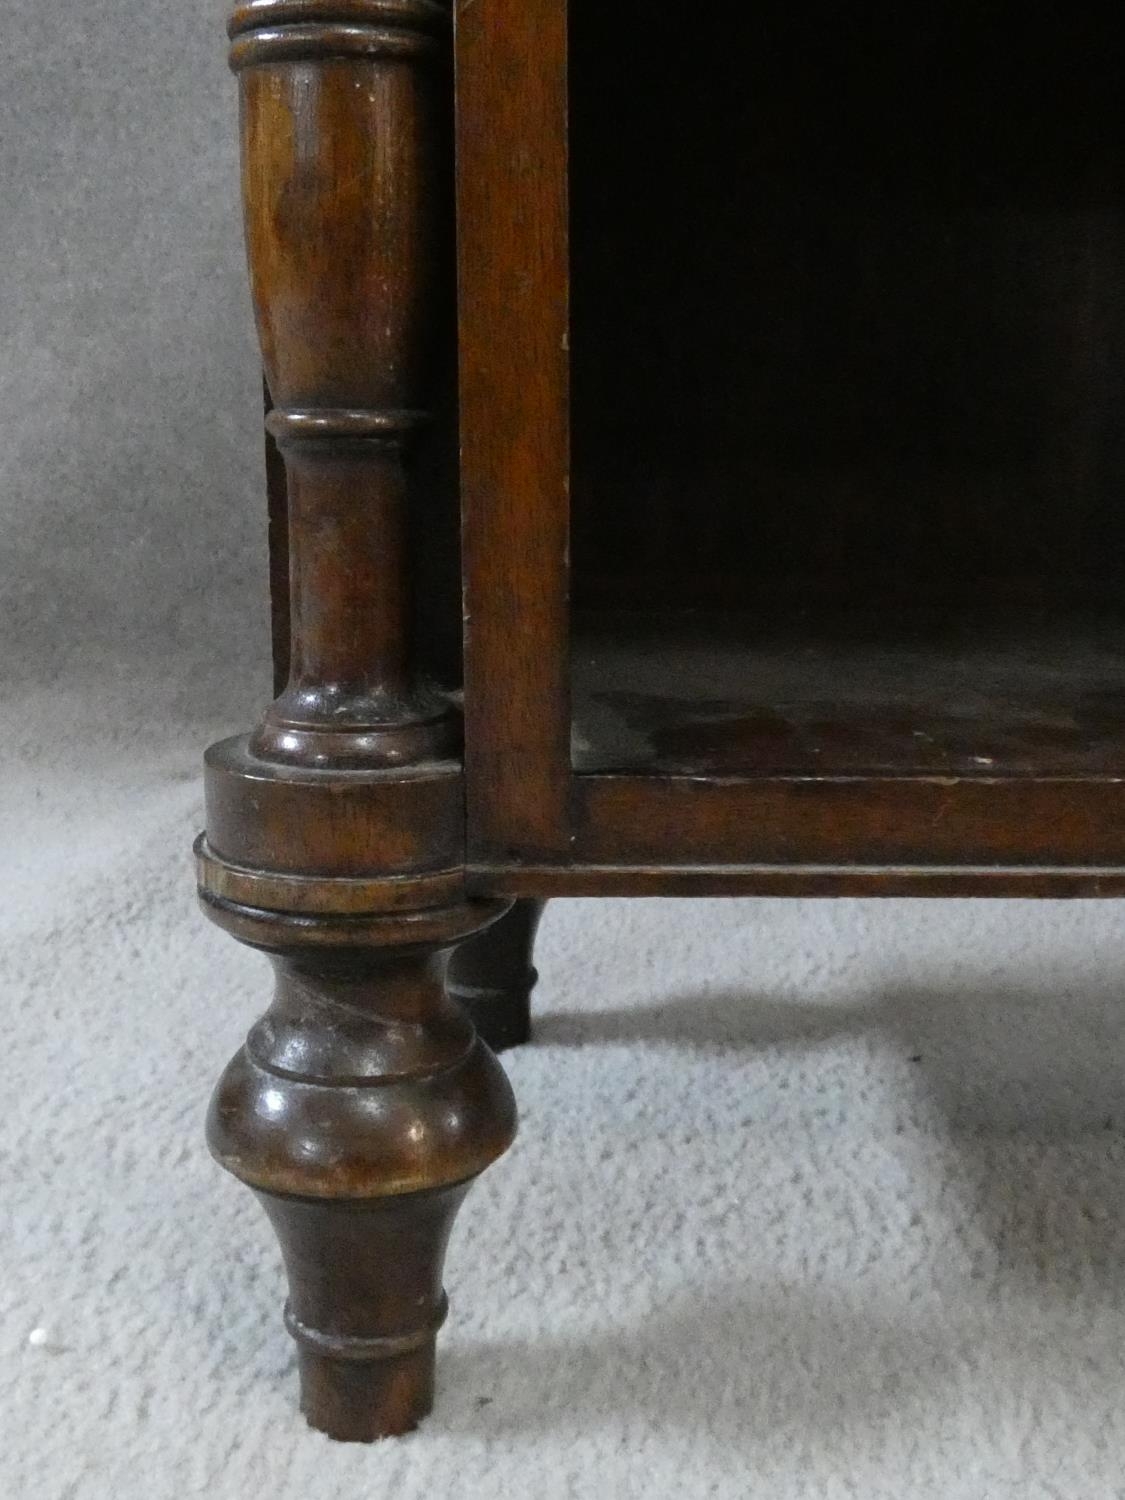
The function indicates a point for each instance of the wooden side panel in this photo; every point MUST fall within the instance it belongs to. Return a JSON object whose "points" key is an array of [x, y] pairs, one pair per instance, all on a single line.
{"points": [[512, 254]]}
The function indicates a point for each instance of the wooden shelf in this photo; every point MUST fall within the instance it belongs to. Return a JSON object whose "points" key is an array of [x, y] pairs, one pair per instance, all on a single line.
{"points": [[977, 694]]}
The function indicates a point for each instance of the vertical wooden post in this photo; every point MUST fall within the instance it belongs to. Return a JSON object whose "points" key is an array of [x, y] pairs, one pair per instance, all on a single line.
{"points": [[341, 111], [363, 1103]]}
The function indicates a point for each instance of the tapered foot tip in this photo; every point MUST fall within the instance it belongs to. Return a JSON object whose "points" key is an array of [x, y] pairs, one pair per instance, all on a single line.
{"points": [[357, 1401]]}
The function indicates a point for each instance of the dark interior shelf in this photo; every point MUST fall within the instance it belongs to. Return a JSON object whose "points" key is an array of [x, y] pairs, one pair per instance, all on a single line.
{"points": [[975, 693], [847, 416]]}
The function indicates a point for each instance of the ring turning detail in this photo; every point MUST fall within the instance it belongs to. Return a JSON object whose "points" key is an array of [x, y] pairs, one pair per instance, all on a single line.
{"points": [[363, 1103]]}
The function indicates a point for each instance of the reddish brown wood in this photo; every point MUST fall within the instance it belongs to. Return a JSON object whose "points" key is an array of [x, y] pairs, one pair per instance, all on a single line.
{"points": [[343, 281], [365, 1306], [982, 692], [363, 1104], [752, 423], [844, 307], [732, 879], [319, 820], [359, 1111], [511, 205]]}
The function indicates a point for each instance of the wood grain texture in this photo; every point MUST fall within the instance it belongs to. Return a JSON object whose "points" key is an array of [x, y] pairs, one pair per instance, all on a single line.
{"points": [[809, 820], [366, 1304], [754, 419], [359, 1110], [363, 1103], [816, 360], [340, 147], [511, 196]]}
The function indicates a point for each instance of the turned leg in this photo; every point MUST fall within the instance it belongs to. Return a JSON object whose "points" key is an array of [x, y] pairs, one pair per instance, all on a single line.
{"points": [[492, 976], [359, 1111], [363, 1104], [365, 1303]]}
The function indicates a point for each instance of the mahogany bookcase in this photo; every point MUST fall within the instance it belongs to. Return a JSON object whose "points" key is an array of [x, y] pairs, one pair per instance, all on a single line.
{"points": [[773, 364]]}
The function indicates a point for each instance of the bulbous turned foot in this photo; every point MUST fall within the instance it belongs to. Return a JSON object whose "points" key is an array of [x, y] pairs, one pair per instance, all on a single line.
{"points": [[360, 1109], [492, 976]]}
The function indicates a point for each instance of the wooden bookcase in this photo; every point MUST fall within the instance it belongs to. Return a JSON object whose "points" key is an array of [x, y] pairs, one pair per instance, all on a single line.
{"points": [[791, 449], [770, 365]]}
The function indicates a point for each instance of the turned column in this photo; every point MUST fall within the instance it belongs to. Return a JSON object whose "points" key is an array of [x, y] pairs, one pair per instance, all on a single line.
{"points": [[363, 1103]]}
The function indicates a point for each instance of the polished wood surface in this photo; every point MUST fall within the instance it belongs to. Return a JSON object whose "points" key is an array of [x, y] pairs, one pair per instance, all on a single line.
{"points": [[777, 379], [341, 233], [363, 1103], [854, 370]]}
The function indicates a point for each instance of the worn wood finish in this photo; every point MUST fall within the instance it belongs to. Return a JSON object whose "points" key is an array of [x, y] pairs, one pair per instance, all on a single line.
{"points": [[869, 370], [363, 1104], [492, 976], [1032, 693], [825, 740], [755, 423]]}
